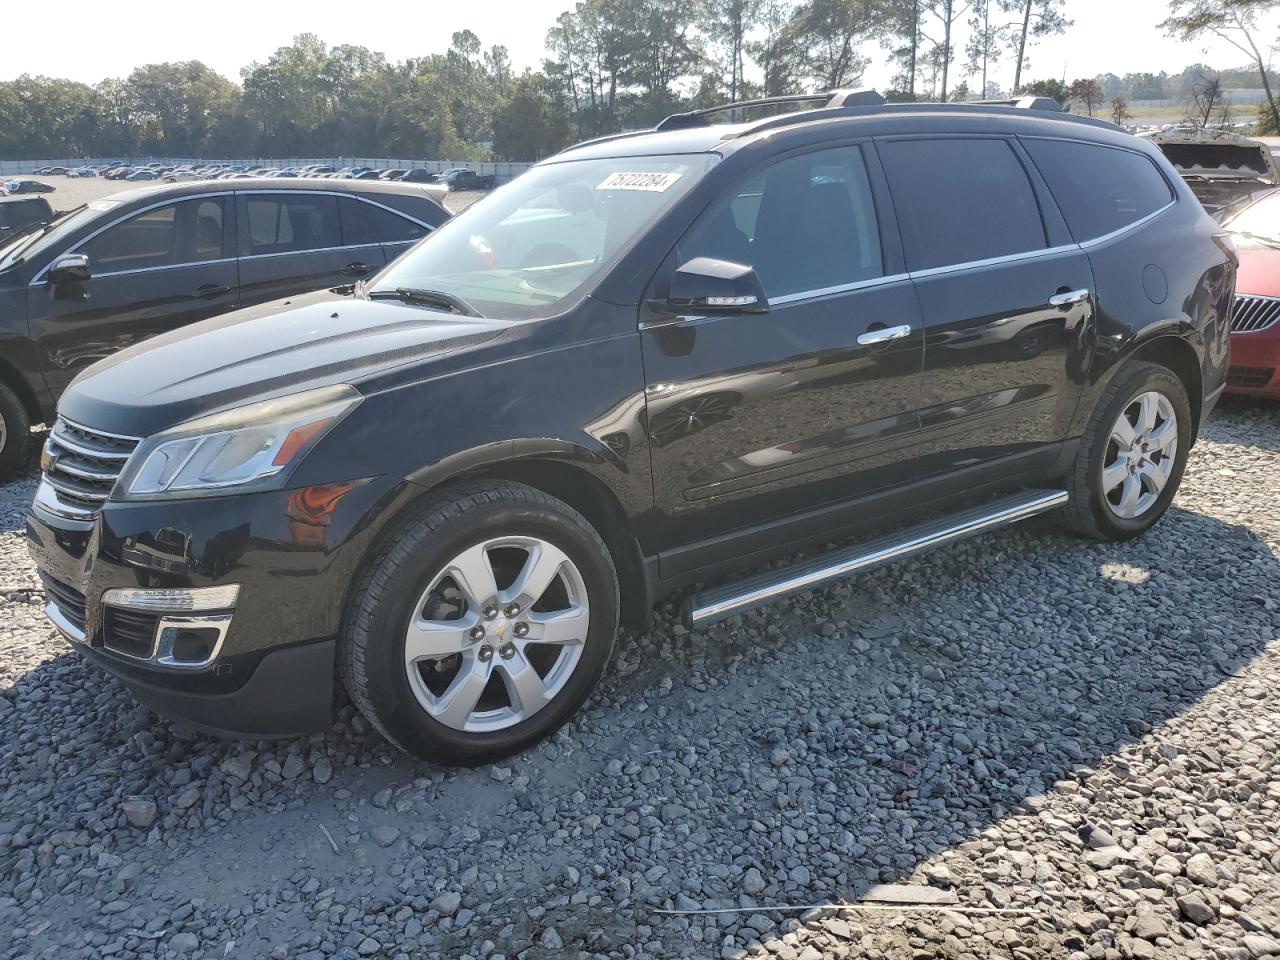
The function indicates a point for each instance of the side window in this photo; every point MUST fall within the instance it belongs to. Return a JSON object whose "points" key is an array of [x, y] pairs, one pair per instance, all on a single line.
{"points": [[143, 242], [804, 223], [1099, 189], [961, 200], [366, 223], [206, 230], [289, 223]]}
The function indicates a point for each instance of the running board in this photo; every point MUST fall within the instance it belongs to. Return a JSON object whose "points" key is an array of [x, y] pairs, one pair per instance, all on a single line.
{"points": [[723, 602]]}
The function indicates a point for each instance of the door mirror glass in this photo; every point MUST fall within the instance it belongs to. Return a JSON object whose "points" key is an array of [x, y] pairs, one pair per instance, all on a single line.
{"points": [[706, 285], [70, 268]]}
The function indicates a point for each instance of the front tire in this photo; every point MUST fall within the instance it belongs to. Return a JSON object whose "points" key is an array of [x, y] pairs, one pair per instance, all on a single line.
{"points": [[482, 624], [15, 432], [1132, 455]]}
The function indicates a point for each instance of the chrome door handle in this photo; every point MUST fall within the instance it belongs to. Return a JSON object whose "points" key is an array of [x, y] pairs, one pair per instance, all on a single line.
{"points": [[1068, 298], [884, 335]]}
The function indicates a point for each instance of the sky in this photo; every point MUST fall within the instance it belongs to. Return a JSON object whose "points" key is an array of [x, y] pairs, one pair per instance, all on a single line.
{"points": [[98, 41]]}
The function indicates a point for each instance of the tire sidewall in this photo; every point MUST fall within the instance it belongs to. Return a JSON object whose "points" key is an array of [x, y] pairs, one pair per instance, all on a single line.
{"points": [[389, 690], [17, 428], [1158, 380]]}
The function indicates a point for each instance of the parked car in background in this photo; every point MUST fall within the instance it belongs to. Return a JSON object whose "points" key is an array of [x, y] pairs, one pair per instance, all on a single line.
{"points": [[23, 185], [1255, 316], [146, 261], [446, 489], [21, 214], [418, 176], [393, 174], [1224, 170], [142, 174], [464, 179], [178, 176], [368, 175]]}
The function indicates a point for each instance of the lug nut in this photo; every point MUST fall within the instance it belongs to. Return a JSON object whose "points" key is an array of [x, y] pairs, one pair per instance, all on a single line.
{"points": [[477, 632], [490, 611], [486, 654], [522, 629], [511, 611], [508, 651]]}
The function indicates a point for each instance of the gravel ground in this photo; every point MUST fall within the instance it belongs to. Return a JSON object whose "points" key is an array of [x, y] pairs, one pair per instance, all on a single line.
{"points": [[1084, 736]]}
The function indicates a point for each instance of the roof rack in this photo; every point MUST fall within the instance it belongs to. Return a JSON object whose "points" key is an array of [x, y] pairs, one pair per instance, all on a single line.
{"points": [[830, 99], [1028, 102]]}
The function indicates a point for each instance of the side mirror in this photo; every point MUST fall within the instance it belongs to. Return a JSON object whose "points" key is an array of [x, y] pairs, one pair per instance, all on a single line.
{"points": [[70, 268], [705, 285]]}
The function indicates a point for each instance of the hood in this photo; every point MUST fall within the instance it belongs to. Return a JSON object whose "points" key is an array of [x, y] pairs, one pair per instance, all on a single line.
{"points": [[1217, 155], [1259, 271], [260, 352]]}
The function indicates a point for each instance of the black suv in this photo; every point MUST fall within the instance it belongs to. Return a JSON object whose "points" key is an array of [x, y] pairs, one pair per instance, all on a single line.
{"points": [[653, 359], [142, 262]]}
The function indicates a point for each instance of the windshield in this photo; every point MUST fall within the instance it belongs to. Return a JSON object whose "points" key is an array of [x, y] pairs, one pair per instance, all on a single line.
{"points": [[33, 244], [526, 249], [1259, 221]]}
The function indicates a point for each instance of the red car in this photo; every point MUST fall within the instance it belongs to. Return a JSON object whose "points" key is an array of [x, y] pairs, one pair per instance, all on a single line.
{"points": [[1255, 318]]}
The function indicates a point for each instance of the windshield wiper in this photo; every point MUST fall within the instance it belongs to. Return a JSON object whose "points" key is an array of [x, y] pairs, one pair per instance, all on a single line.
{"points": [[1269, 241], [430, 298]]}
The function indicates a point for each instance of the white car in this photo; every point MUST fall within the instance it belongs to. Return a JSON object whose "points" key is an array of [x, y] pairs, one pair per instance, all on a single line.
{"points": [[175, 176]]}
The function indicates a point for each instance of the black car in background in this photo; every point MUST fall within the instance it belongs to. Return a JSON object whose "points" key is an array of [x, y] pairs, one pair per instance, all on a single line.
{"points": [[19, 214], [119, 270], [652, 360]]}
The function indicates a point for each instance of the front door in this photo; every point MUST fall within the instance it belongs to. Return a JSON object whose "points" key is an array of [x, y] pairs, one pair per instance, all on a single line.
{"points": [[1006, 298], [756, 417], [155, 271]]}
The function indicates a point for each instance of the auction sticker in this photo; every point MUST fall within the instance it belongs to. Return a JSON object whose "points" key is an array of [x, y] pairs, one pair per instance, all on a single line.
{"points": [[653, 182]]}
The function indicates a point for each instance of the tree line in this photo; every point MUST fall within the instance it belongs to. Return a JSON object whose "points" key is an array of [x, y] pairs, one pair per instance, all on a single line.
{"points": [[611, 65]]}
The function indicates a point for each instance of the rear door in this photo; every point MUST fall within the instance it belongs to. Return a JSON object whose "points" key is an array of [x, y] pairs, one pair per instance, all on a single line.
{"points": [[369, 225], [155, 270], [291, 243], [1006, 298]]}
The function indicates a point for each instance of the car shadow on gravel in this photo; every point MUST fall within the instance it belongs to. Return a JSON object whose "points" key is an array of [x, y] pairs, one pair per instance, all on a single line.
{"points": [[795, 755]]}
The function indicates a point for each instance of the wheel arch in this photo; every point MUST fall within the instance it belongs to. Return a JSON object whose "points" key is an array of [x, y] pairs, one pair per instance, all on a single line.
{"points": [[12, 378], [557, 468], [1175, 353], [1166, 345]]}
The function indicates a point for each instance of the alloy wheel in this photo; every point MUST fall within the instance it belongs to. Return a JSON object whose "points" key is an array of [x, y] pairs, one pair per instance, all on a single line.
{"points": [[497, 634], [1141, 452]]}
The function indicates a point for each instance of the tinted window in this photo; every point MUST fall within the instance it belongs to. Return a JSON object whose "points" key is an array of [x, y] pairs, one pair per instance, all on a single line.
{"points": [[804, 223], [179, 233], [287, 223], [365, 223], [1099, 189], [961, 200]]}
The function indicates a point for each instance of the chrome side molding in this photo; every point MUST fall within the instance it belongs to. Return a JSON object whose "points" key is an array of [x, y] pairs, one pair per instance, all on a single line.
{"points": [[723, 602]]}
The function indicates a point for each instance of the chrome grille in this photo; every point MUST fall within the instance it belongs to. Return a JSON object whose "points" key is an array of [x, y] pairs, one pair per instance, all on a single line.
{"points": [[80, 468], [1250, 314]]}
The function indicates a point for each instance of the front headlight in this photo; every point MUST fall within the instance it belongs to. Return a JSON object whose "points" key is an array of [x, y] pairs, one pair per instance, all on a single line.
{"points": [[248, 448]]}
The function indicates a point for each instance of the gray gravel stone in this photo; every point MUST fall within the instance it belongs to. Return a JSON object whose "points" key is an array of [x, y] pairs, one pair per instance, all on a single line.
{"points": [[1101, 749]]}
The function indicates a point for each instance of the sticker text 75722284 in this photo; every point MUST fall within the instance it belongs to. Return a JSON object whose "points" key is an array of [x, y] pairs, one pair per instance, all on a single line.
{"points": [[653, 182]]}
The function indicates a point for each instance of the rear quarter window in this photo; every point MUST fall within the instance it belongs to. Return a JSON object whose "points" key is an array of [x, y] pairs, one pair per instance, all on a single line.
{"points": [[1099, 189]]}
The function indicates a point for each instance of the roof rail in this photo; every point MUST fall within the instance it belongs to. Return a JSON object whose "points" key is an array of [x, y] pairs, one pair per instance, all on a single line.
{"points": [[1028, 102], [830, 99]]}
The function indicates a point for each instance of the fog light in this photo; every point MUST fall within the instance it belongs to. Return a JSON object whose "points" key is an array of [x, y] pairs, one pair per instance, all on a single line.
{"points": [[174, 600]]}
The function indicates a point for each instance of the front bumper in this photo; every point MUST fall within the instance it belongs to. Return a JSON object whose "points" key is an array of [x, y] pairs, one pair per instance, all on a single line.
{"points": [[272, 671], [1255, 363]]}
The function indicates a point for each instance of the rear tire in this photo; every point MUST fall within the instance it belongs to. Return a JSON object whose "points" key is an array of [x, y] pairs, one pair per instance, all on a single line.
{"points": [[15, 432], [481, 625], [1132, 455]]}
